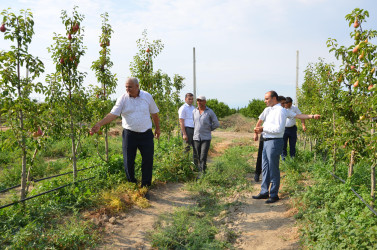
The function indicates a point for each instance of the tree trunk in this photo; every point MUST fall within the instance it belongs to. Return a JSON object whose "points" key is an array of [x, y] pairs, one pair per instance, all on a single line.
{"points": [[305, 143], [73, 147], [311, 144], [373, 183], [352, 163], [106, 145], [334, 149], [23, 138]]}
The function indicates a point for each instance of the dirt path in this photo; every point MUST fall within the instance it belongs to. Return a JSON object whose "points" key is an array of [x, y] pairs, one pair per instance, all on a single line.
{"points": [[130, 231], [260, 226]]}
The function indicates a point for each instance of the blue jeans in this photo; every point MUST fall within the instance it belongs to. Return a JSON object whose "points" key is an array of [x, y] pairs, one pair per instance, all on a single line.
{"points": [[272, 150], [291, 134], [144, 142]]}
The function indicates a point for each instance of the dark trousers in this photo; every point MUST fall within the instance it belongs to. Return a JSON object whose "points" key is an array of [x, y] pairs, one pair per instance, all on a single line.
{"points": [[189, 143], [144, 142], [291, 135], [258, 167], [201, 148]]}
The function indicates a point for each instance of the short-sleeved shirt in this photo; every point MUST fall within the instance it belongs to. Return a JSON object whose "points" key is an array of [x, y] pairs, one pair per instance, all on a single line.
{"points": [[274, 125], [264, 114], [292, 121], [204, 123], [185, 113], [136, 111]]}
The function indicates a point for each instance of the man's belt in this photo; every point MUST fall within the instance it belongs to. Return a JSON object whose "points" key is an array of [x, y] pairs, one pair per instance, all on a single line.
{"points": [[269, 139], [292, 126]]}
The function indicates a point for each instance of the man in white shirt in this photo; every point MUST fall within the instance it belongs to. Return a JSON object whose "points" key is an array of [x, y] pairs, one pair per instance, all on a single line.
{"points": [[262, 117], [186, 122], [273, 131], [291, 130], [136, 108]]}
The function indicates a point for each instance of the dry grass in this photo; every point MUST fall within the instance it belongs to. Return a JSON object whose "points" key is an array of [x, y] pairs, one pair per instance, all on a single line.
{"points": [[238, 123]]}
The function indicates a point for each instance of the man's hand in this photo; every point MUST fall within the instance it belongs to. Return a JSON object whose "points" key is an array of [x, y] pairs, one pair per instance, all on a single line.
{"points": [[258, 130], [255, 137], [157, 133], [95, 128], [184, 136], [304, 127], [316, 117]]}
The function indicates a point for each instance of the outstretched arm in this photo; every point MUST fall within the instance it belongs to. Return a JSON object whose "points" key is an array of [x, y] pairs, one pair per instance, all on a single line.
{"points": [[108, 118], [303, 116]]}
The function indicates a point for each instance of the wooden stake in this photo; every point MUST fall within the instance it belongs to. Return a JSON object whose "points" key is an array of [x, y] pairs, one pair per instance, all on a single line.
{"points": [[352, 162]]}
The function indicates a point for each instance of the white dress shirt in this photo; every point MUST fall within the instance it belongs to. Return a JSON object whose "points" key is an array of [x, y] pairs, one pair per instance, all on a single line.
{"points": [[274, 125], [292, 121], [136, 111], [185, 112], [264, 114]]}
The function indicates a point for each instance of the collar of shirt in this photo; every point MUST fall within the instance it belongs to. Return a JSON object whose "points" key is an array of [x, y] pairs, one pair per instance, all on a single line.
{"points": [[138, 94], [204, 109]]}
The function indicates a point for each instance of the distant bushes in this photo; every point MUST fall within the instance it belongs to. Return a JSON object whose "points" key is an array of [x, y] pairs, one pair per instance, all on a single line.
{"points": [[254, 109], [221, 109]]}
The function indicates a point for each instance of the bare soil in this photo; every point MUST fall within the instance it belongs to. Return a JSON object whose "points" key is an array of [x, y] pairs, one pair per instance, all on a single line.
{"points": [[259, 225]]}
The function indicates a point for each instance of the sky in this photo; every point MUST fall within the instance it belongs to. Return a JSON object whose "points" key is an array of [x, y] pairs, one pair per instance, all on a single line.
{"points": [[244, 48]]}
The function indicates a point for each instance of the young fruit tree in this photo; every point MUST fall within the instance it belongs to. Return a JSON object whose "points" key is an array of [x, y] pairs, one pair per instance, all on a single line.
{"points": [[348, 98], [18, 71], [65, 93], [99, 100], [164, 89]]}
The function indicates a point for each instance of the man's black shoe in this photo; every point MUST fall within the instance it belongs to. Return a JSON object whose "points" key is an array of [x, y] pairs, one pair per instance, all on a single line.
{"points": [[260, 196], [272, 199], [256, 177], [147, 195]]}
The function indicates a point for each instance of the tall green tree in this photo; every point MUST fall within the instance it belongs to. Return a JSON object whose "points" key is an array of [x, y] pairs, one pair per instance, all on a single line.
{"points": [[66, 94], [18, 71]]}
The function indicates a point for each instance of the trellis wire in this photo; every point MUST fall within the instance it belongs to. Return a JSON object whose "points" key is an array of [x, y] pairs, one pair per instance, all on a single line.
{"points": [[43, 193], [45, 178]]}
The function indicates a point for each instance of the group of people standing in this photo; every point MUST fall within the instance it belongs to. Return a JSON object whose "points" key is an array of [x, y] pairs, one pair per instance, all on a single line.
{"points": [[137, 107]]}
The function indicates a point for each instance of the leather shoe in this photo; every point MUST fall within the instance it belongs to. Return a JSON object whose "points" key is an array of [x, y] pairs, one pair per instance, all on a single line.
{"points": [[272, 199], [256, 177], [260, 196]]}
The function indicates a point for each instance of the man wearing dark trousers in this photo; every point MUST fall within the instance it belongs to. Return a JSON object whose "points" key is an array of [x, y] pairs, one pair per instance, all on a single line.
{"points": [[290, 133], [136, 108], [258, 166], [205, 121], [186, 123]]}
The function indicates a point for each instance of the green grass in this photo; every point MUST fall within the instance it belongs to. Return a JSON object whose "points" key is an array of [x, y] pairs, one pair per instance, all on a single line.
{"points": [[53, 220], [196, 227], [329, 214]]}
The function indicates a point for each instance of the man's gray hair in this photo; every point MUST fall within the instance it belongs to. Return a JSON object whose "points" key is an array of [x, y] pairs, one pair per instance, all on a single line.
{"points": [[134, 80]]}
